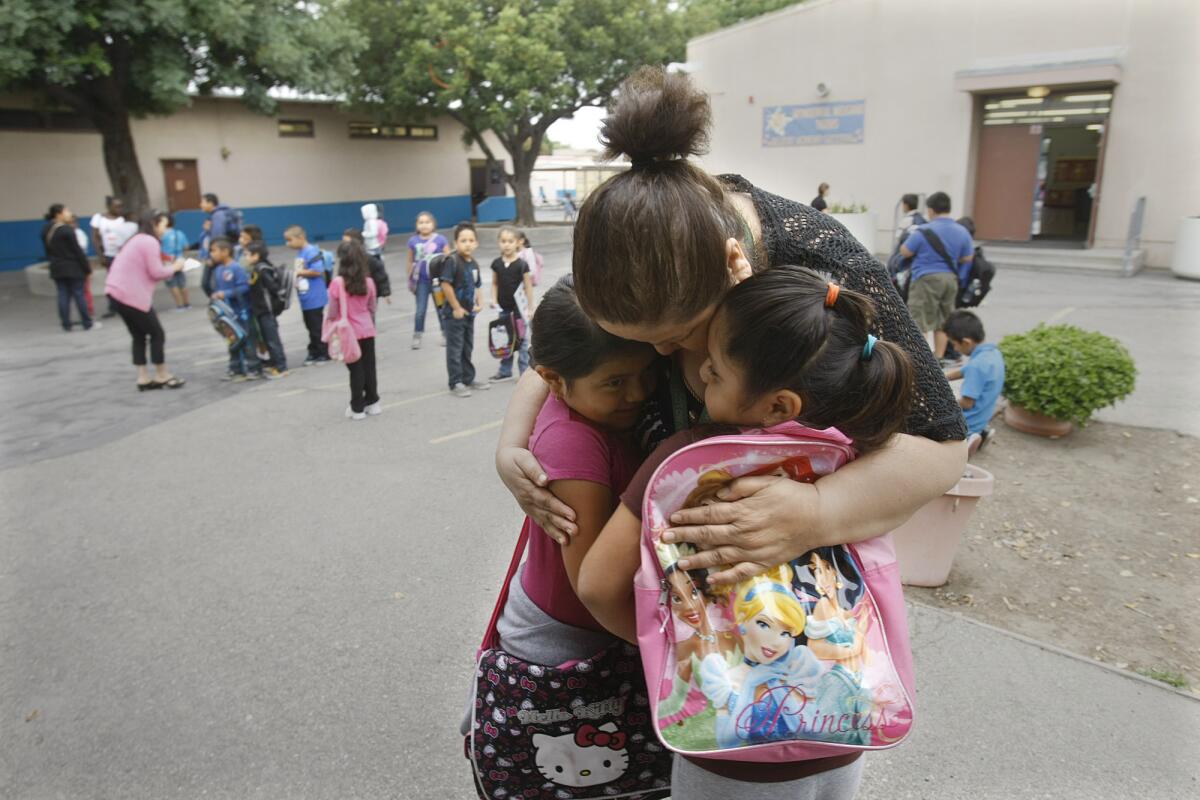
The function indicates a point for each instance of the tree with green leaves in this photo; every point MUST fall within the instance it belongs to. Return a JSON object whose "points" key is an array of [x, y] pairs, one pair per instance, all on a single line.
{"points": [[113, 60], [511, 67]]}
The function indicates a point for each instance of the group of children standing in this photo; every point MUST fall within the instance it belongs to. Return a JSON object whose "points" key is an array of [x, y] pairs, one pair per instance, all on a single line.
{"points": [[452, 278]]}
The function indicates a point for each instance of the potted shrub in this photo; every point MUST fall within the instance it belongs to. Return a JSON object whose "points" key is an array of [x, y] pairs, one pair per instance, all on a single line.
{"points": [[858, 220], [1058, 376]]}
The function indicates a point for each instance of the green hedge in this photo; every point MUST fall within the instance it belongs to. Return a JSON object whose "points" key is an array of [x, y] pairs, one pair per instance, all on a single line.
{"points": [[1066, 372]]}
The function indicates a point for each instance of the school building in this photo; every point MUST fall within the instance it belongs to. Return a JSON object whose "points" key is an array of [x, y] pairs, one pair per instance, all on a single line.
{"points": [[311, 164], [1045, 120]]}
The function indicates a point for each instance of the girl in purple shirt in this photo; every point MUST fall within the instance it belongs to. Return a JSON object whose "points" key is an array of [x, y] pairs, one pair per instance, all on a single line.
{"points": [[422, 246]]}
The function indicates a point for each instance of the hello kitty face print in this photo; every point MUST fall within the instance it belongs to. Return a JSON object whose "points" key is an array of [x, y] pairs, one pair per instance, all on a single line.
{"points": [[588, 757]]}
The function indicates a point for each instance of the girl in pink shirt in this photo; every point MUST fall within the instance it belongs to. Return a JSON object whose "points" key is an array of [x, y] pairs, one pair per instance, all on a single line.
{"points": [[582, 440], [130, 287], [354, 291]]}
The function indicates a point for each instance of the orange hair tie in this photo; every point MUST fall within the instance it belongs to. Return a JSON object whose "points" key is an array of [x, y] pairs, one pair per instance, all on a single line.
{"points": [[831, 295]]}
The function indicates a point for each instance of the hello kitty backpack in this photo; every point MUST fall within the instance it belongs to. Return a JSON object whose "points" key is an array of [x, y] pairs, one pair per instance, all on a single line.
{"points": [[567, 732], [808, 660]]}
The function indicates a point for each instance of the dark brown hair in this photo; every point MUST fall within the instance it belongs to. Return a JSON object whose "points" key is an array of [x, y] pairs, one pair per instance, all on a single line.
{"points": [[650, 242], [149, 219], [566, 341], [779, 332], [353, 267]]}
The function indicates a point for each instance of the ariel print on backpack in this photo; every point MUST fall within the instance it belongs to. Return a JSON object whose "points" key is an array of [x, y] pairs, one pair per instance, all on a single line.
{"points": [[797, 659]]}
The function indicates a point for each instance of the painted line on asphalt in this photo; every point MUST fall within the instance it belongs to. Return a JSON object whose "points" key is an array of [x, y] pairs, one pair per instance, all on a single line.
{"points": [[1061, 313], [468, 432], [292, 393], [208, 361], [416, 399]]}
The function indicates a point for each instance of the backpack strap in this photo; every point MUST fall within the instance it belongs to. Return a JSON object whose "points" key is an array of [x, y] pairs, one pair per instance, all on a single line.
{"points": [[53, 230], [935, 242], [491, 639]]}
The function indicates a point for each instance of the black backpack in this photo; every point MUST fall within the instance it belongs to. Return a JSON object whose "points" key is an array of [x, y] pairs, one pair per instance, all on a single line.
{"points": [[979, 282]]}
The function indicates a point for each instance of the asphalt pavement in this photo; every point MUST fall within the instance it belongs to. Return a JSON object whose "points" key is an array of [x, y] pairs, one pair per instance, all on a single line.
{"points": [[232, 591]]}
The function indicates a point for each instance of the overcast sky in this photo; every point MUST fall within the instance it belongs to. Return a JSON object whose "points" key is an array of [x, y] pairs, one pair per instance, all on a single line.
{"points": [[580, 131]]}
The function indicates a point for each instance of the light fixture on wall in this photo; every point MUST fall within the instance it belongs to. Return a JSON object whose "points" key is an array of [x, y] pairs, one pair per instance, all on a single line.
{"points": [[225, 153], [822, 90], [1038, 91]]}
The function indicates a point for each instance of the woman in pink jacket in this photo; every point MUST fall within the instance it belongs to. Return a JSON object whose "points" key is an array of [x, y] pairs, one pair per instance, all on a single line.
{"points": [[130, 286]]}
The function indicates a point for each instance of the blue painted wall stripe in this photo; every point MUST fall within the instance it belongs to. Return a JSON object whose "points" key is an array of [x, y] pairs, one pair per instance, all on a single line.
{"points": [[21, 240]]}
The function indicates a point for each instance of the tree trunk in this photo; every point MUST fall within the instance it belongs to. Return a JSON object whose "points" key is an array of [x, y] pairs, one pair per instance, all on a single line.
{"points": [[120, 160], [526, 216]]}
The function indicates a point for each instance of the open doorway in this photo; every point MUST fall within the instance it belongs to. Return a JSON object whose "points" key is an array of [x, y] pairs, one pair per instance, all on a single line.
{"points": [[1039, 166], [487, 180]]}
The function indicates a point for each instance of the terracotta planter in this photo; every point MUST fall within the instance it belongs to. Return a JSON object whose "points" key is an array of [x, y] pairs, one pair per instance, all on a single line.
{"points": [[1038, 424], [925, 545]]}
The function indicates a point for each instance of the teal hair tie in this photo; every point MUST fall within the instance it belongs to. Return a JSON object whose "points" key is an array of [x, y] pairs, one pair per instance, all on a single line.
{"points": [[869, 347]]}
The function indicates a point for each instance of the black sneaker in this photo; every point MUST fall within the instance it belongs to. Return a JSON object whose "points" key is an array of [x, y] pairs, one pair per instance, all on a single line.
{"points": [[498, 378], [308, 362]]}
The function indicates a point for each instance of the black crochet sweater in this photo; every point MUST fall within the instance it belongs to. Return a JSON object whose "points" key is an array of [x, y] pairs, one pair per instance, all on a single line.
{"points": [[794, 233]]}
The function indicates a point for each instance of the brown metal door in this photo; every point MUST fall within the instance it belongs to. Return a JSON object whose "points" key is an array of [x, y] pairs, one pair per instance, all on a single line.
{"points": [[183, 184], [1006, 182]]}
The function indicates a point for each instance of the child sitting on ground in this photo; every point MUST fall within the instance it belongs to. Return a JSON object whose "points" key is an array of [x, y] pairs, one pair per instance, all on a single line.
{"points": [[311, 289], [511, 274], [266, 305], [231, 284], [982, 375]]}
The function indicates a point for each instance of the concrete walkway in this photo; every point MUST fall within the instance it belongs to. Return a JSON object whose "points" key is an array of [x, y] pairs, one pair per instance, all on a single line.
{"points": [[231, 591]]}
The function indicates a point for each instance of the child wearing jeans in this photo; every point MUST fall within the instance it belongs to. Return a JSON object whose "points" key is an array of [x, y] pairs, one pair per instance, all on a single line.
{"points": [[422, 246], [311, 289], [231, 284], [264, 300], [785, 344], [982, 375], [460, 284], [353, 293], [174, 243], [511, 274]]}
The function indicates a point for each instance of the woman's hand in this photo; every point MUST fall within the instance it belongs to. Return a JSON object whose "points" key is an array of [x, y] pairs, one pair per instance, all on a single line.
{"points": [[770, 520], [523, 476], [767, 521]]}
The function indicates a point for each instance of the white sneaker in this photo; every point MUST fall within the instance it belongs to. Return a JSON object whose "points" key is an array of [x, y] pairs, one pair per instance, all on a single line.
{"points": [[416, 342], [352, 414], [461, 390], [373, 410]]}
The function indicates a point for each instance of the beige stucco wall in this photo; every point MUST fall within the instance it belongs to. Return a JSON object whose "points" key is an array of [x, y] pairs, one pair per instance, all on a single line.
{"points": [[902, 57], [262, 168]]}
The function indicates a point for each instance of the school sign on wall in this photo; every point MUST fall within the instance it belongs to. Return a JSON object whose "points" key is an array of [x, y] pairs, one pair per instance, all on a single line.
{"points": [[815, 123]]}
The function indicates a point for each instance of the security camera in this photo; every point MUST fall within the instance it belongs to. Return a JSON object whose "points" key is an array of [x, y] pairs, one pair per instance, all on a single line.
{"points": [[822, 90]]}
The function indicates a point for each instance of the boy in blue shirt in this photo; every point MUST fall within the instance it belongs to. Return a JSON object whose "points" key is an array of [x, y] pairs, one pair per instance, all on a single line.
{"points": [[982, 375], [231, 284], [311, 289], [174, 243]]}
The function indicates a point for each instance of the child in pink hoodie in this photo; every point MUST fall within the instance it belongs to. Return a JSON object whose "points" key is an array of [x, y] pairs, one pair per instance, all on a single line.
{"points": [[353, 293]]}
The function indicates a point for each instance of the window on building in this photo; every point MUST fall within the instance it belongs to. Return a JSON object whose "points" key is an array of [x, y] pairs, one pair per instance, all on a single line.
{"points": [[374, 130], [24, 119], [302, 128]]}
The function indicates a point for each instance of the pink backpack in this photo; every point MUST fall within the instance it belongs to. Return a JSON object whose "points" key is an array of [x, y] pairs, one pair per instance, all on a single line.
{"points": [[809, 660]]}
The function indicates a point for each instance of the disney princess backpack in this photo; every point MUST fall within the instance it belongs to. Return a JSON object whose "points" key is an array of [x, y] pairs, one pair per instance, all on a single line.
{"points": [[807, 661]]}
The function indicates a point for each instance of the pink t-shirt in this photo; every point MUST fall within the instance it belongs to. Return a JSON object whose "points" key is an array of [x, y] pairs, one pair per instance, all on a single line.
{"points": [[134, 272], [360, 308], [569, 447]]}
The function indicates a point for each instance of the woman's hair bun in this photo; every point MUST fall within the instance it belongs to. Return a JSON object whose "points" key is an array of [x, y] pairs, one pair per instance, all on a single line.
{"points": [[656, 115]]}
